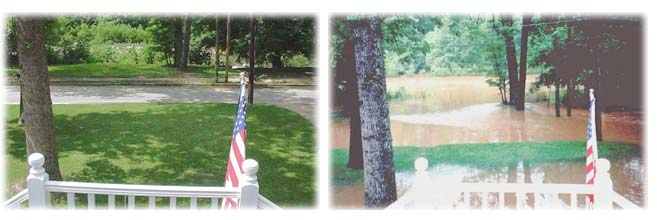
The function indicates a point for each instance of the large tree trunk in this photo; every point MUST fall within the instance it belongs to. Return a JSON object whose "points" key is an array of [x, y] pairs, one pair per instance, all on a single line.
{"points": [[35, 88], [227, 62], [251, 57], [177, 53], [520, 103], [346, 66], [512, 64], [380, 186], [185, 50]]}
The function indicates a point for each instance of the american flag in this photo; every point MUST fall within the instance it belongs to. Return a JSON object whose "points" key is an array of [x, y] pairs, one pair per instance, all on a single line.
{"points": [[237, 148], [591, 147]]}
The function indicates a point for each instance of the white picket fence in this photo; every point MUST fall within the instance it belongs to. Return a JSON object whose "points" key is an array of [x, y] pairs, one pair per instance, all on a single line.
{"points": [[39, 188], [424, 193]]}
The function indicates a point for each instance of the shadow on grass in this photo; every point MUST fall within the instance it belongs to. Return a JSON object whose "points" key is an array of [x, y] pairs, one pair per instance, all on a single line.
{"points": [[180, 144]]}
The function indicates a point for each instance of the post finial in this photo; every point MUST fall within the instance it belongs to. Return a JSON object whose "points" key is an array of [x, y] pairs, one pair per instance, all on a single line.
{"points": [[36, 160], [591, 95], [602, 165], [421, 164], [250, 166]]}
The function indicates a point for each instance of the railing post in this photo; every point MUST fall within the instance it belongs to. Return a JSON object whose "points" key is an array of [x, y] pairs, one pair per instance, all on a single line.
{"points": [[39, 198], [249, 185], [603, 198]]}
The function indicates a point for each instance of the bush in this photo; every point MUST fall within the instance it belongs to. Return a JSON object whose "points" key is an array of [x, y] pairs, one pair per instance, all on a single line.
{"points": [[298, 61]]}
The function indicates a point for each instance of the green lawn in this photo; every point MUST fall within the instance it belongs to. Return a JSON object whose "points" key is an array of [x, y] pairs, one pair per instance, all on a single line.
{"points": [[483, 155], [174, 144]]}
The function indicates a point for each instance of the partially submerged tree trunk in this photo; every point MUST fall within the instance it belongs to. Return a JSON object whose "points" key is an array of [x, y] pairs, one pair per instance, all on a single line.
{"points": [[380, 185], [227, 62], [512, 64], [557, 63], [177, 52], [597, 94], [35, 88], [526, 22], [185, 51], [251, 57]]}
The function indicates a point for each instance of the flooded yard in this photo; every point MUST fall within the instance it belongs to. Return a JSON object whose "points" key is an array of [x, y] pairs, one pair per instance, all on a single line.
{"points": [[458, 110]]}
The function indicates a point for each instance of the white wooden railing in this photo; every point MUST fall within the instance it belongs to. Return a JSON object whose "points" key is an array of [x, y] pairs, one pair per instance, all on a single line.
{"points": [[425, 193], [39, 188]]}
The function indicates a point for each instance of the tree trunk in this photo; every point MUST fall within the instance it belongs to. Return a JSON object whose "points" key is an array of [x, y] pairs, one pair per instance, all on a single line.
{"points": [[346, 66], [227, 62], [520, 103], [569, 97], [216, 50], [380, 186], [185, 51], [37, 115], [251, 57], [177, 53], [277, 62], [512, 64], [597, 93], [557, 63]]}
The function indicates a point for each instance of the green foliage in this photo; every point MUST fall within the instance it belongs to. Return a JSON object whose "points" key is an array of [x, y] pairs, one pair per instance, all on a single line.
{"points": [[400, 94], [164, 144]]}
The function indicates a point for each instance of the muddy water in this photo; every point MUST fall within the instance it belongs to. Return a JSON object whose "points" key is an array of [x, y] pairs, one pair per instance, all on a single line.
{"points": [[466, 110], [453, 110]]}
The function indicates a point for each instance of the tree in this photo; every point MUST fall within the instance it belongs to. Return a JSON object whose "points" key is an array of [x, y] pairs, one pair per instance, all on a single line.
{"points": [[251, 57], [186, 39], [380, 186], [512, 65], [35, 88], [178, 50], [557, 59], [346, 66], [216, 51], [227, 62], [526, 26]]}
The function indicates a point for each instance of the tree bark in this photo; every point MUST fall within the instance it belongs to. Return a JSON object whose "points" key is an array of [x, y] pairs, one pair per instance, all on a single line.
{"points": [[597, 92], [251, 57], [569, 97], [557, 63], [526, 22], [346, 66], [277, 62], [216, 50], [177, 53], [185, 51], [37, 105], [512, 64], [380, 185], [227, 62]]}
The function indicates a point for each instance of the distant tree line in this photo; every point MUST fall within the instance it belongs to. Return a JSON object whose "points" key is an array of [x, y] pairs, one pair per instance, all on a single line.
{"points": [[281, 41]]}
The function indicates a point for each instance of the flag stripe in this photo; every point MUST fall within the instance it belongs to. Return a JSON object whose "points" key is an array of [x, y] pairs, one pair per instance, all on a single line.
{"points": [[237, 152]]}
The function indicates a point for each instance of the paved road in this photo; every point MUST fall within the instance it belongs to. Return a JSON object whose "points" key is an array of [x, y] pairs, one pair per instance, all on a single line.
{"points": [[301, 100]]}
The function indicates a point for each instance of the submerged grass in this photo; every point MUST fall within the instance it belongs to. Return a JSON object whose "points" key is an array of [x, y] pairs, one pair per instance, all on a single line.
{"points": [[483, 155], [173, 144]]}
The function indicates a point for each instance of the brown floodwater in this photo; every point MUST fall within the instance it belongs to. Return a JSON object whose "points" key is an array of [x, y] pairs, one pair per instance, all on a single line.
{"points": [[455, 110]]}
